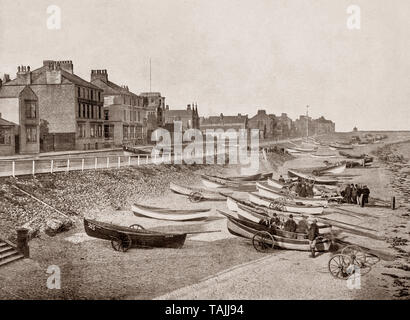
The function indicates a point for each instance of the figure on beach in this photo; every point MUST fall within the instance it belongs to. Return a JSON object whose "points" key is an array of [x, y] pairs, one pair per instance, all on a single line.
{"points": [[290, 224], [365, 195], [303, 225], [312, 236]]}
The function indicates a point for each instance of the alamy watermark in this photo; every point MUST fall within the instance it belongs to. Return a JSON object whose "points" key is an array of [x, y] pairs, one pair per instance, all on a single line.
{"points": [[238, 147]]}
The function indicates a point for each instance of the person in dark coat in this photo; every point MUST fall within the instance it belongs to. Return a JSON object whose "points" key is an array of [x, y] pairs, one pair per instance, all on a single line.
{"points": [[282, 180], [303, 226], [298, 188], [303, 190], [359, 194], [354, 194], [275, 221], [290, 224], [365, 195], [309, 190], [313, 233], [348, 194]]}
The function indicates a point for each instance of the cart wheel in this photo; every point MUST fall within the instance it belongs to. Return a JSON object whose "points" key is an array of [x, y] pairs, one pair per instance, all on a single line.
{"points": [[262, 241], [338, 266], [121, 244], [195, 197], [137, 227], [356, 254]]}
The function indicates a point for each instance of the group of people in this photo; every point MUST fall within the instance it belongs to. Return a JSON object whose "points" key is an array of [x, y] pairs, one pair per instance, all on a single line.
{"points": [[356, 194], [302, 226], [303, 188]]}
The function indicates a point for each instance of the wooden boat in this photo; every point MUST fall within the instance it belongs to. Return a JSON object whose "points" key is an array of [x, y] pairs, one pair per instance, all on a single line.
{"points": [[353, 156], [291, 150], [196, 194], [304, 149], [340, 146], [276, 183], [323, 156], [123, 238], [316, 180], [254, 177], [168, 214], [212, 182], [333, 169], [293, 208], [267, 191], [295, 242]]}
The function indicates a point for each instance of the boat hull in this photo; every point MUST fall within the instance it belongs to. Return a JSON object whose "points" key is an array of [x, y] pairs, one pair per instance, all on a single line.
{"points": [[316, 180], [205, 194], [173, 215], [139, 238]]}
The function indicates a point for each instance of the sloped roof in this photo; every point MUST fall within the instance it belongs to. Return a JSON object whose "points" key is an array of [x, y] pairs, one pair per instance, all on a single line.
{"points": [[10, 91], [178, 113], [4, 122], [220, 120]]}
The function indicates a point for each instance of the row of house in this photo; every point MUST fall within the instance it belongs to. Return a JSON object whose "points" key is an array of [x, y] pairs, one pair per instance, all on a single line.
{"points": [[270, 126], [53, 109]]}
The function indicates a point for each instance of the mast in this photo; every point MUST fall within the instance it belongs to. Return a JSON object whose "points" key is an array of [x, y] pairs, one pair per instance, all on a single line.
{"points": [[150, 78]]}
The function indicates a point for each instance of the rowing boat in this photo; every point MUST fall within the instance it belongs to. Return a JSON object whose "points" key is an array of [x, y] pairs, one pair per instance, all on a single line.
{"points": [[212, 182], [333, 169], [276, 205], [169, 214], [317, 180], [123, 238], [323, 156], [248, 230], [267, 191], [197, 194], [276, 183], [339, 146]]}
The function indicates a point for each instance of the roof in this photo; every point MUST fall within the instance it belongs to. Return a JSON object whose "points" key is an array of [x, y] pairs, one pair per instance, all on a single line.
{"points": [[37, 73], [10, 91], [178, 113], [219, 120], [4, 122]]}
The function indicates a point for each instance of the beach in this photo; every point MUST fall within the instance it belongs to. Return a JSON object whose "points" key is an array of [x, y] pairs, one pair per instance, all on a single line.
{"points": [[210, 265]]}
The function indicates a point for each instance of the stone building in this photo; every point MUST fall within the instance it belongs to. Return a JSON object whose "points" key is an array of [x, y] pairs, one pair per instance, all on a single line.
{"points": [[20, 123], [224, 122], [322, 126], [188, 117], [154, 103], [124, 114], [316, 126], [264, 123], [7, 137], [285, 126], [70, 108]]}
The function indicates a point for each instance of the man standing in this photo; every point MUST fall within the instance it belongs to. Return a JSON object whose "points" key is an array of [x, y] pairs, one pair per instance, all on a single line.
{"points": [[312, 235], [359, 194], [348, 194], [354, 194], [303, 225], [290, 224], [365, 195]]}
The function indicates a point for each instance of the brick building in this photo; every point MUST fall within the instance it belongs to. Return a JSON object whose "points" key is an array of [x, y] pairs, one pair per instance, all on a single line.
{"points": [[124, 112], [19, 126], [70, 108], [188, 117], [265, 123]]}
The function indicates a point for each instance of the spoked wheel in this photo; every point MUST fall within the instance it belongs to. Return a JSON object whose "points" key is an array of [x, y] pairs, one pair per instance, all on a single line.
{"points": [[356, 254], [338, 266], [195, 197], [137, 227], [121, 244], [262, 241]]}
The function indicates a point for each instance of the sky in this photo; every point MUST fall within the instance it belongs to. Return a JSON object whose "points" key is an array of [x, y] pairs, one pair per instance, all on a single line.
{"points": [[231, 56]]}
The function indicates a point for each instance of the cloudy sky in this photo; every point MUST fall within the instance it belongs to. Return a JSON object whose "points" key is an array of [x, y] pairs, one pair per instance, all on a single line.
{"points": [[231, 56]]}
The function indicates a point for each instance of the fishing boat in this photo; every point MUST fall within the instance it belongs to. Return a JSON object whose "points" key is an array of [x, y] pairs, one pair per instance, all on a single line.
{"points": [[354, 156], [323, 156], [212, 182], [304, 149], [169, 214], [254, 177], [340, 146], [316, 180], [287, 207], [333, 169], [267, 191], [294, 241], [197, 194], [123, 238], [262, 213], [276, 183]]}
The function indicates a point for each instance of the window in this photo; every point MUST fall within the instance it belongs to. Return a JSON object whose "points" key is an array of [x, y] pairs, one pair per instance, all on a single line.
{"points": [[125, 132], [106, 117], [88, 111], [84, 110], [139, 117], [78, 92], [31, 134], [5, 136], [79, 110], [99, 112], [99, 96], [81, 130], [100, 130], [125, 115], [92, 112], [30, 109], [92, 94], [92, 130]]}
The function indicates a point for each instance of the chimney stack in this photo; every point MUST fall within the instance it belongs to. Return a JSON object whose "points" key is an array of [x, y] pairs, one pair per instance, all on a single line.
{"points": [[99, 74], [6, 78], [23, 75]]}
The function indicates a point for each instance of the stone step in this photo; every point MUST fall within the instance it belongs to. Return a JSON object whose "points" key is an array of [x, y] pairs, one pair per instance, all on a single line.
{"points": [[11, 258], [5, 249], [8, 254]]}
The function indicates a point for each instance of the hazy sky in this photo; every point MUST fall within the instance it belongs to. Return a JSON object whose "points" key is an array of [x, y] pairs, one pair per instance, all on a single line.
{"points": [[231, 56]]}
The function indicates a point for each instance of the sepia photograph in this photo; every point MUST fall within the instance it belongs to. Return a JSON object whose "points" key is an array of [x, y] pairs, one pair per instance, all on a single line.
{"points": [[203, 150]]}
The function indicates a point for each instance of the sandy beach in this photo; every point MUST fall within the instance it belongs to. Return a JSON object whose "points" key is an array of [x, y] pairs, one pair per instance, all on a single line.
{"points": [[209, 266]]}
